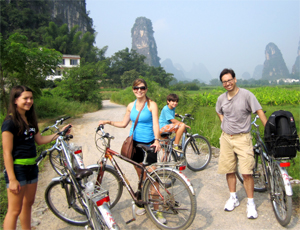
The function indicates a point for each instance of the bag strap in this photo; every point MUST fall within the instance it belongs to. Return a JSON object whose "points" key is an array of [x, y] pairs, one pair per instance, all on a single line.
{"points": [[137, 118]]}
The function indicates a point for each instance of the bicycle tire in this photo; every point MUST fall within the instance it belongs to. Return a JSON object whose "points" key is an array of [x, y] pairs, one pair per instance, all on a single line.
{"points": [[197, 152], [281, 202], [56, 162], [97, 221], [179, 205], [111, 181], [57, 201], [259, 177]]}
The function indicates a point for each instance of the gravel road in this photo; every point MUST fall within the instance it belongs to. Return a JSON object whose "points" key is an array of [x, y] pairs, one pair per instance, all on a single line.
{"points": [[211, 188]]}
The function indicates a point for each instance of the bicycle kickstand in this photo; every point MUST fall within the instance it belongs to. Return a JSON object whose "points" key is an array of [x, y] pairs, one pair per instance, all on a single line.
{"points": [[133, 214]]}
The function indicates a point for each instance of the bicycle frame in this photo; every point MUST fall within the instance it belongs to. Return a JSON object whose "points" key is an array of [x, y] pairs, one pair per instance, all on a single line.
{"points": [[71, 177], [272, 161], [109, 154]]}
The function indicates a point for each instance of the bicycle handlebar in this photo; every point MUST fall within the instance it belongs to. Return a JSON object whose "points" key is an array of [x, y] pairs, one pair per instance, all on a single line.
{"points": [[255, 119], [104, 134], [57, 122], [187, 115], [43, 154], [55, 146]]}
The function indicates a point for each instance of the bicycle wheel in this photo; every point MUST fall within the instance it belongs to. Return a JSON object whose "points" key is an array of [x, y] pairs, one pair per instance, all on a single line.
{"points": [[177, 203], [110, 181], [282, 204], [55, 158], [57, 200], [97, 221], [197, 152], [259, 177]]}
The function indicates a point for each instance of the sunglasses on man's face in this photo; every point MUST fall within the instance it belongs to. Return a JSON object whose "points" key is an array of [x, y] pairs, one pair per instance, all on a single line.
{"points": [[141, 88]]}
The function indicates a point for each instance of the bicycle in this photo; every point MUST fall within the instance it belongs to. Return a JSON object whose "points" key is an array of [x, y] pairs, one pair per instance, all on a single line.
{"points": [[270, 173], [68, 196], [55, 156], [177, 203], [196, 148]]}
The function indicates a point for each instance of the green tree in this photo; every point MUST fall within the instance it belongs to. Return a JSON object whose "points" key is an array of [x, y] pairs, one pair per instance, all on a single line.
{"points": [[128, 77], [20, 64], [123, 61], [82, 83], [159, 75], [71, 42]]}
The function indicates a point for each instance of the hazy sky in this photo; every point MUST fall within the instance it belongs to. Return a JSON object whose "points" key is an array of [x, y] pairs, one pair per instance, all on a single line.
{"points": [[219, 34]]}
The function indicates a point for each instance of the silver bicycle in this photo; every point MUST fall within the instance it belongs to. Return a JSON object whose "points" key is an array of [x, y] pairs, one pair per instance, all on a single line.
{"points": [[72, 197], [270, 174]]}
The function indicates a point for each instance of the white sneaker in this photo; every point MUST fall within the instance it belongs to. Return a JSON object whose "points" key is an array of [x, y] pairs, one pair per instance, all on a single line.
{"points": [[231, 203], [140, 211], [251, 211]]}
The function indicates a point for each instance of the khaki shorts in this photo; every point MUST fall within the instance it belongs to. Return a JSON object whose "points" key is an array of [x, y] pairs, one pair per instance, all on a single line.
{"points": [[236, 147]]}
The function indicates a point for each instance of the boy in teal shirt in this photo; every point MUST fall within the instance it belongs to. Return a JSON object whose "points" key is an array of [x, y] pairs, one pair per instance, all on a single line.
{"points": [[167, 121]]}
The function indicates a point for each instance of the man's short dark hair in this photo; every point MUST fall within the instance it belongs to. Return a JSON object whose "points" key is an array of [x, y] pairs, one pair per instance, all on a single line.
{"points": [[173, 97], [226, 71]]}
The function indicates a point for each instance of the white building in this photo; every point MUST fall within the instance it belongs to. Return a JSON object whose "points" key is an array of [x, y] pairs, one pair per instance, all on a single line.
{"points": [[68, 61], [287, 80]]}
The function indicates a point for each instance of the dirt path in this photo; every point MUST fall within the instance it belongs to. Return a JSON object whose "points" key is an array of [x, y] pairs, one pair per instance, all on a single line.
{"points": [[211, 189]]}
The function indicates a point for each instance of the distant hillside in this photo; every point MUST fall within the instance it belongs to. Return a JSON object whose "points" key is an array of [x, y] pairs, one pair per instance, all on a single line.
{"points": [[198, 71], [257, 73], [274, 66], [143, 40], [29, 16], [296, 66], [170, 68]]}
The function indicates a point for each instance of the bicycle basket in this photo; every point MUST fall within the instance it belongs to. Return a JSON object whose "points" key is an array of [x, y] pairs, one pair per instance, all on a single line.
{"points": [[283, 146]]}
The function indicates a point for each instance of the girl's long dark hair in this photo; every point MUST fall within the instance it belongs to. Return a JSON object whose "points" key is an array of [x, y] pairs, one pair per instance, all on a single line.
{"points": [[13, 113]]}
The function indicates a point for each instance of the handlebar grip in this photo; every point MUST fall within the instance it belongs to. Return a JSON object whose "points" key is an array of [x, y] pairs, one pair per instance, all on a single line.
{"points": [[43, 154], [66, 118], [99, 128], [45, 129], [63, 133]]}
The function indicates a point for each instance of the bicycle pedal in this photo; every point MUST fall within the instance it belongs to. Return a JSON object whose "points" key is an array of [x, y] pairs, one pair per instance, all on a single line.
{"points": [[129, 221]]}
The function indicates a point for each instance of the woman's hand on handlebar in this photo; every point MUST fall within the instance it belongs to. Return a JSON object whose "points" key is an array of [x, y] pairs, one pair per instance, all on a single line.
{"points": [[69, 130], [104, 122]]}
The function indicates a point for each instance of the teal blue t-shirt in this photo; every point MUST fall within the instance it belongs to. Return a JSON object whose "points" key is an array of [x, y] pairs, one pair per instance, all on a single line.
{"points": [[144, 129], [166, 116]]}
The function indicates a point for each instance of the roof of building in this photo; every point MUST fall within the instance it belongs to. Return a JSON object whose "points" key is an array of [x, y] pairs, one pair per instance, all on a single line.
{"points": [[71, 56]]}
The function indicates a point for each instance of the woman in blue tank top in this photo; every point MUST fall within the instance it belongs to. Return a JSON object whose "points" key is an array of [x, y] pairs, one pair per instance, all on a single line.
{"points": [[146, 131], [147, 128]]}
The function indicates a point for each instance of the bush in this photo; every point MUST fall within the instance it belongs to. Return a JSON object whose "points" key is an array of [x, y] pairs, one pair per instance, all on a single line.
{"points": [[47, 107]]}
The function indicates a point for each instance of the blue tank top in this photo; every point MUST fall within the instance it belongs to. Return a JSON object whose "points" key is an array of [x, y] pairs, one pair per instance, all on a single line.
{"points": [[144, 129]]}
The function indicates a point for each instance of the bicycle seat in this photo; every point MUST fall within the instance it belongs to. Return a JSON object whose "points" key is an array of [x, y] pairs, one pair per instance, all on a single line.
{"points": [[165, 134], [146, 148], [82, 173]]}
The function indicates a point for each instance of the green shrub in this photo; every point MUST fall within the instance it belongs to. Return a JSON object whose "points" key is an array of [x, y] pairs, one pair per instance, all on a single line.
{"points": [[47, 107]]}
